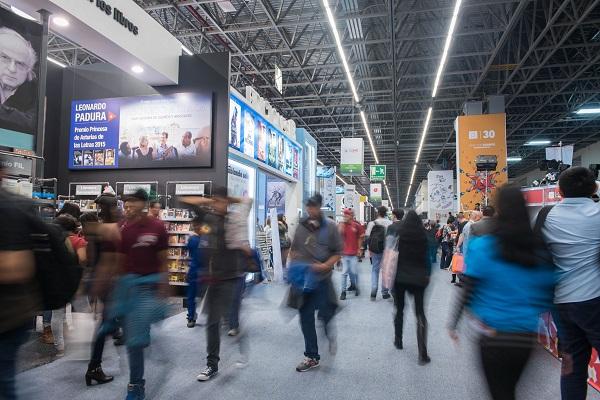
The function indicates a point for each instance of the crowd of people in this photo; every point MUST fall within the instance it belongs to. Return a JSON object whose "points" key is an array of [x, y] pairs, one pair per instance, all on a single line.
{"points": [[514, 270]]}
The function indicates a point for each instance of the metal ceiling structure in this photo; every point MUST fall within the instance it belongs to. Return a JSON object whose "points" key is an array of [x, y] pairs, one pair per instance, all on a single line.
{"points": [[543, 55]]}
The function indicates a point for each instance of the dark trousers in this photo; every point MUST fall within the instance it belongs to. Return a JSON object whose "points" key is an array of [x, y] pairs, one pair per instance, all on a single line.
{"points": [[236, 304], [136, 364], [418, 293], [503, 359], [317, 299], [219, 299], [578, 332], [447, 249], [9, 347]]}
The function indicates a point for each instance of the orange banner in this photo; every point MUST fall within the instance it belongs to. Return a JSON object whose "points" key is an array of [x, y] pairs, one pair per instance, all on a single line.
{"points": [[481, 136]]}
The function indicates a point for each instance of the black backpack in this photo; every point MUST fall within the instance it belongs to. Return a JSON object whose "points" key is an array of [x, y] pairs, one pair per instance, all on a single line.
{"points": [[377, 239], [57, 269]]}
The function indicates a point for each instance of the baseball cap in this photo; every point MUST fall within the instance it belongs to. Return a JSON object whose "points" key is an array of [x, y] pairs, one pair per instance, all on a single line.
{"points": [[139, 195], [348, 211]]}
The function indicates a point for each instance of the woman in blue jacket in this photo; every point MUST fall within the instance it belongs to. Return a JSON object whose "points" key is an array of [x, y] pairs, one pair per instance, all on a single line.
{"points": [[508, 284]]}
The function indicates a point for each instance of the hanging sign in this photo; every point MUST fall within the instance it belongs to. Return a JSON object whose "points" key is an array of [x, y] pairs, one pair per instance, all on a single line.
{"points": [[326, 186], [350, 196], [182, 189], [131, 188], [88, 190], [375, 195], [377, 173], [385, 203], [352, 154]]}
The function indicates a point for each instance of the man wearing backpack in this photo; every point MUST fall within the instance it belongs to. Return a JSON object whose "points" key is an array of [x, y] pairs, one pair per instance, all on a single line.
{"points": [[376, 231]]}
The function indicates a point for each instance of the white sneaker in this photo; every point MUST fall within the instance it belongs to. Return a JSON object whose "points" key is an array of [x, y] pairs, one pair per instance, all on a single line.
{"points": [[233, 332]]}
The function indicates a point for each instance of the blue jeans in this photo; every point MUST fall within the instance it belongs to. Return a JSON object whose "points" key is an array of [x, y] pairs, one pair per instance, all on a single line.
{"points": [[317, 299], [136, 365], [578, 332], [433, 252], [9, 347], [376, 262], [349, 269], [192, 293]]}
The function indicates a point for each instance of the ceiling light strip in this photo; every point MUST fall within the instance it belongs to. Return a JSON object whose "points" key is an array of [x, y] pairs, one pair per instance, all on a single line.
{"points": [[53, 61], [438, 77], [424, 134], [407, 195], [366, 125]]}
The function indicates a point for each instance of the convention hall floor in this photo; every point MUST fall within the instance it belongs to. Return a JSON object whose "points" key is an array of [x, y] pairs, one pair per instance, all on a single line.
{"points": [[367, 366]]}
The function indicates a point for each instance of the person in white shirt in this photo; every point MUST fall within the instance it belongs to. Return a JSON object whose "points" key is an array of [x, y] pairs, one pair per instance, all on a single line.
{"points": [[376, 231], [187, 148]]}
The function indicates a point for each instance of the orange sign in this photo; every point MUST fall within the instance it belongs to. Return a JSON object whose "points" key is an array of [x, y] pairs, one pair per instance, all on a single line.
{"points": [[480, 137]]}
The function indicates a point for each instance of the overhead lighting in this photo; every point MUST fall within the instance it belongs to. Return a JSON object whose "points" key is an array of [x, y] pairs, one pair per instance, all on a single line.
{"points": [[53, 61], [584, 111], [412, 176], [537, 142], [407, 195], [366, 125], [138, 69], [60, 21], [514, 159], [320, 162], [438, 77], [340, 178], [186, 50], [22, 13], [423, 134], [388, 193], [226, 6]]}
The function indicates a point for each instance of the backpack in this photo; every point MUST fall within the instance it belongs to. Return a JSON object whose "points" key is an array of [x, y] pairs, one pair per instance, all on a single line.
{"points": [[58, 272], [438, 234], [377, 239]]}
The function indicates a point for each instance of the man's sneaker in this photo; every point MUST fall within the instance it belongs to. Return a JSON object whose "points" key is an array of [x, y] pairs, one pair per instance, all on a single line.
{"points": [[343, 296], [191, 323], [208, 373], [386, 296], [424, 360], [352, 288], [233, 332], [307, 364]]}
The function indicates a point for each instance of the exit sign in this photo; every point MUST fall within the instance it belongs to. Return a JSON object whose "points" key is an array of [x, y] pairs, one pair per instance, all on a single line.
{"points": [[377, 172]]}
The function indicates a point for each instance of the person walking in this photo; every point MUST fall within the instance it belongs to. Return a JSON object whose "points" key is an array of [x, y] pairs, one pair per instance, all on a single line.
{"points": [[394, 228], [412, 276], [317, 244], [573, 237], [376, 231], [432, 242], [463, 240], [284, 239], [193, 274], [352, 235], [448, 237], [508, 284]]}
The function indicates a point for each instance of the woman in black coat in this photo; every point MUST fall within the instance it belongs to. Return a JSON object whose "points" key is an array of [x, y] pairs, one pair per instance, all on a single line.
{"points": [[412, 276]]}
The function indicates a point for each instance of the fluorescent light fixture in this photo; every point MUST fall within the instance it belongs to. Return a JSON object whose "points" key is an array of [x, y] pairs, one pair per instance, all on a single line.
{"points": [[514, 159], [60, 21], [366, 125], [22, 13], [438, 77], [138, 69], [412, 176], [585, 111], [226, 6], [186, 50], [53, 61], [537, 142], [424, 134], [320, 162], [407, 195], [340, 178]]}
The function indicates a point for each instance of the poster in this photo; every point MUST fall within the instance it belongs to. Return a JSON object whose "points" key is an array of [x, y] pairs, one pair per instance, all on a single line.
{"points": [[440, 189], [235, 121], [352, 153], [326, 186], [249, 132], [479, 135], [241, 182], [350, 197], [375, 195], [276, 195], [141, 132], [20, 46]]}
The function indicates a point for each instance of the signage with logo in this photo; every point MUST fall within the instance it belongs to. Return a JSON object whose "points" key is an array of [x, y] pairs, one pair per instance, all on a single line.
{"points": [[350, 197], [117, 15], [377, 173], [88, 190], [183, 189], [326, 186], [131, 188], [16, 166], [352, 154], [375, 195]]}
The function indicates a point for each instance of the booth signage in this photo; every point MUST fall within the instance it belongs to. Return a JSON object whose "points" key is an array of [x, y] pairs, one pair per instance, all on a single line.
{"points": [[440, 189], [350, 196], [182, 189], [375, 192], [326, 186], [385, 203], [378, 173], [16, 166], [117, 15], [88, 190], [352, 154], [131, 188]]}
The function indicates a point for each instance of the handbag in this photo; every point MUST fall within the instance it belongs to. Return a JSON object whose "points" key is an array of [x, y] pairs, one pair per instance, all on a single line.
{"points": [[458, 263], [294, 298], [389, 262]]}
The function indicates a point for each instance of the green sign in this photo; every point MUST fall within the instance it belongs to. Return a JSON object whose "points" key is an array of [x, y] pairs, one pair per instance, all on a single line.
{"points": [[351, 169], [377, 172]]}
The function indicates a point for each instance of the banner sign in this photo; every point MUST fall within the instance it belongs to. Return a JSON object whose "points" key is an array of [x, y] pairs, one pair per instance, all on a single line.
{"points": [[131, 188], [88, 190], [479, 135], [326, 186], [142, 132], [182, 189], [440, 189], [276, 195], [385, 203], [254, 136], [352, 154], [16, 166], [375, 195], [377, 173], [350, 197], [241, 182]]}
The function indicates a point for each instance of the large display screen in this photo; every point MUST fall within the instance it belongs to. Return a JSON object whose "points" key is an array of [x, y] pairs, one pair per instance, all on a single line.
{"points": [[142, 132], [254, 136], [20, 48]]}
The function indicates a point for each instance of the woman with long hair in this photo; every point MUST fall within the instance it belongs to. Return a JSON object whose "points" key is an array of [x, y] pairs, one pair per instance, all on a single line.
{"points": [[508, 283], [412, 276]]}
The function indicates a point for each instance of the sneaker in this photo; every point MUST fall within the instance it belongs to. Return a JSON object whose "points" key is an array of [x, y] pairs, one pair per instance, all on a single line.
{"points": [[208, 373], [356, 292], [242, 362], [307, 364], [398, 343], [343, 296], [352, 288], [424, 360], [233, 332], [386, 296], [191, 323]]}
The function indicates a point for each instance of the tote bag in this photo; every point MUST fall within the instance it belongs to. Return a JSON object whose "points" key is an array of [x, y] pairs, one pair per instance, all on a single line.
{"points": [[389, 262], [458, 263]]}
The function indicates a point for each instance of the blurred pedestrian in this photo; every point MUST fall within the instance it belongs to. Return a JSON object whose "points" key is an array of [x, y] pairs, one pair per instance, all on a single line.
{"points": [[317, 245], [154, 209], [572, 233], [448, 238], [412, 276], [485, 224], [194, 271], [375, 237], [352, 235], [284, 239], [394, 228], [463, 240], [508, 284]]}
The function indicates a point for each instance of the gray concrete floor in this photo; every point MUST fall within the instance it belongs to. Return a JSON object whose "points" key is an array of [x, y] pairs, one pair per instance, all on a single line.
{"points": [[367, 366]]}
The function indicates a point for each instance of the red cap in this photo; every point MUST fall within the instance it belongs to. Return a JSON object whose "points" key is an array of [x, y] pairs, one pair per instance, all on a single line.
{"points": [[348, 211]]}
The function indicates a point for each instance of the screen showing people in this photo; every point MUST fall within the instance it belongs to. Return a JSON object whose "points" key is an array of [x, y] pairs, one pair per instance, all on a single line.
{"points": [[142, 132]]}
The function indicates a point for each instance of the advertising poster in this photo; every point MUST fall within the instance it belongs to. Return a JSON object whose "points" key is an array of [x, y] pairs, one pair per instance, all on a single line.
{"points": [[352, 153], [235, 127], [479, 135], [375, 195], [296, 157], [241, 182], [440, 188], [249, 132], [20, 46], [326, 186], [276, 195], [272, 148], [141, 132], [261, 147]]}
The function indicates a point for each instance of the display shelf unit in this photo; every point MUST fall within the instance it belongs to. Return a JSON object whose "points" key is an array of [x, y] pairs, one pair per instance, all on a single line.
{"points": [[178, 225]]}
